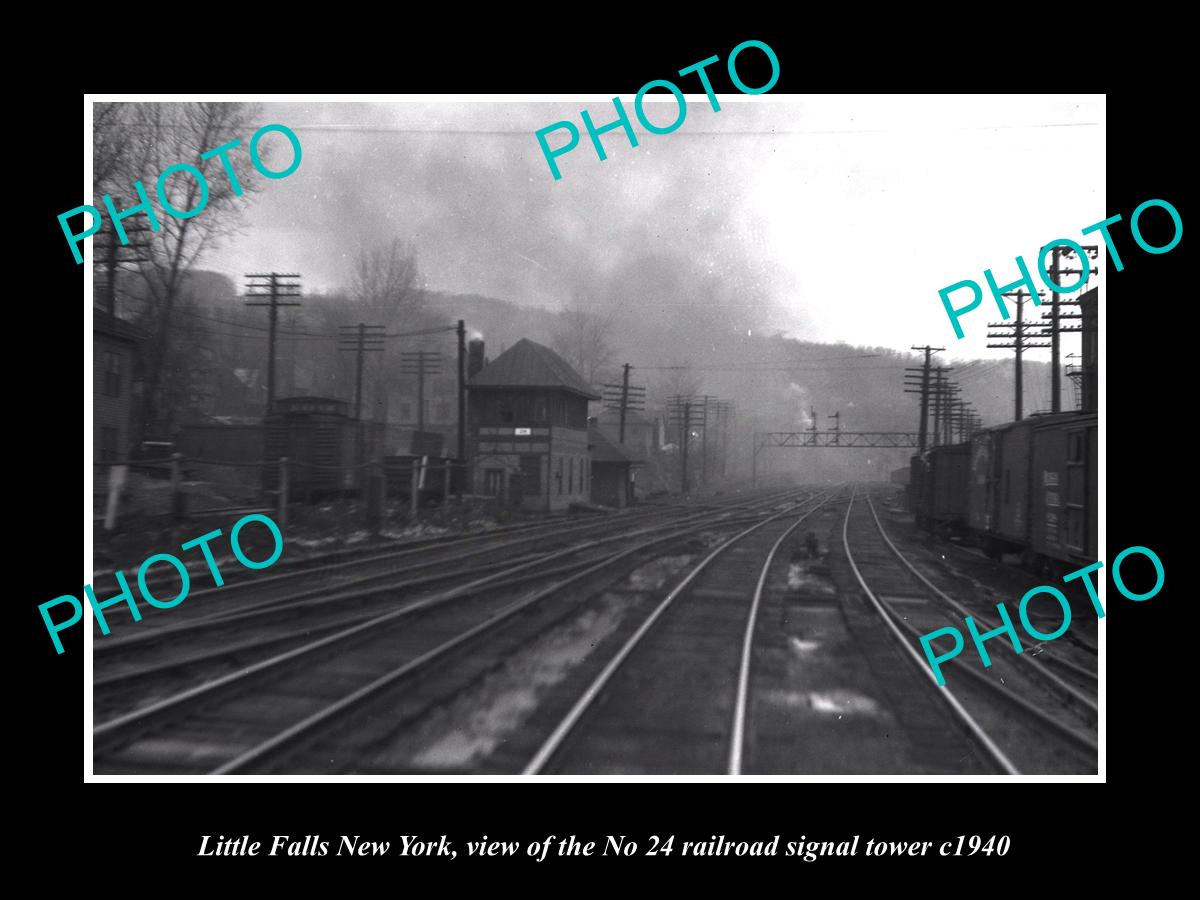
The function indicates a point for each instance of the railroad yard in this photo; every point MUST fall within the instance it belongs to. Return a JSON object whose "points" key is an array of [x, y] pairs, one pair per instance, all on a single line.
{"points": [[545, 478], [769, 630]]}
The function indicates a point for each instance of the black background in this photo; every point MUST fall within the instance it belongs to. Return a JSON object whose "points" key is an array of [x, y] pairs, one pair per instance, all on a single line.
{"points": [[121, 829]]}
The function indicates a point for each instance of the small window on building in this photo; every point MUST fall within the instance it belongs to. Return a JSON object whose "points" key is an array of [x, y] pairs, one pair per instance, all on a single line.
{"points": [[112, 374], [406, 412], [571, 475], [558, 476], [1075, 447], [505, 410], [109, 438]]}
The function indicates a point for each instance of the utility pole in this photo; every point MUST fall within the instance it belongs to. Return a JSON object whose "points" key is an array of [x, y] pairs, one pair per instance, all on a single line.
{"points": [[1019, 344], [837, 427], [116, 255], [461, 331], [1018, 333], [272, 288], [949, 392], [705, 402], [960, 416], [1054, 271], [623, 397], [940, 391], [923, 390], [420, 363], [724, 414], [754, 459], [687, 433], [359, 339], [812, 414], [680, 408]]}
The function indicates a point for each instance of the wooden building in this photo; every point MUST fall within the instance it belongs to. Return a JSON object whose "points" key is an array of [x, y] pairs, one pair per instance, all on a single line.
{"points": [[641, 433], [528, 429], [612, 470]]}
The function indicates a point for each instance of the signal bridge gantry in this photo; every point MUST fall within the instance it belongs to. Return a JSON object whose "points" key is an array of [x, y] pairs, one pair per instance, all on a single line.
{"points": [[835, 437]]}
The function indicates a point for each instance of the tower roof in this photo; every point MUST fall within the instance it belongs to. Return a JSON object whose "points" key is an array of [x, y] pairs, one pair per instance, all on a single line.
{"points": [[528, 364]]}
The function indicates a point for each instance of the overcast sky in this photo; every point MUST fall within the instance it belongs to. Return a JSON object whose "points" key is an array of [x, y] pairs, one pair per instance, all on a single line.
{"points": [[832, 218]]}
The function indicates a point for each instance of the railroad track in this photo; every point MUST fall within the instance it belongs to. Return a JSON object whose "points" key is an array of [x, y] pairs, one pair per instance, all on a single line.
{"points": [[227, 636], [955, 555], [1019, 716], [673, 698], [257, 714], [1075, 678], [264, 594]]}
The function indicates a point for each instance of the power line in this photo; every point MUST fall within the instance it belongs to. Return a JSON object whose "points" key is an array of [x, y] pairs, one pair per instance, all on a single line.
{"points": [[312, 335]]}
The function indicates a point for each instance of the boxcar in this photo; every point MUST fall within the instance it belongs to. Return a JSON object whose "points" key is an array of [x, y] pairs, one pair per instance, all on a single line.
{"points": [[320, 440], [916, 475], [1064, 492], [1000, 486], [939, 487], [1033, 488]]}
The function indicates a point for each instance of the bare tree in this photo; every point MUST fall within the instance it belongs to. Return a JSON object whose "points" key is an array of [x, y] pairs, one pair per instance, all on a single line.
{"points": [[385, 282], [137, 142], [386, 288], [583, 337], [678, 380], [112, 146]]}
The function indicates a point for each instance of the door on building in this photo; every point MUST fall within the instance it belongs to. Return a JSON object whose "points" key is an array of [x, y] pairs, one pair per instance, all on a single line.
{"points": [[493, 482], [531, 474]]}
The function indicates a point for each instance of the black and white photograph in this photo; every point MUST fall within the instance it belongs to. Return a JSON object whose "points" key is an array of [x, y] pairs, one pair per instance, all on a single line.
{"points": [[497, 437]]}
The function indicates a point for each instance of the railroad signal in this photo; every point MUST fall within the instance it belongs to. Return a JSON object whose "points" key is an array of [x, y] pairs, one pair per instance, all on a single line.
{"points": [[725, 411], [684, 411]]}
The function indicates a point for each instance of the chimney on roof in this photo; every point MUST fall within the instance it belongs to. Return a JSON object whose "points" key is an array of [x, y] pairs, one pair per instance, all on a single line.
{"points": [[475, 358]]}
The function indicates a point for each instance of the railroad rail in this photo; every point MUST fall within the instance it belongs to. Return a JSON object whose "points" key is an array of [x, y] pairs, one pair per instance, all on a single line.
{"points": [[993, 706], [390, 569], [319, 667], [1069, 693], [684, 664]]}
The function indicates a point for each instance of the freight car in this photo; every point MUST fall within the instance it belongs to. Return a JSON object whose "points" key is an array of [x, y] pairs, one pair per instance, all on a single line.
{"points": [[1029, 487], [1065, 488], [937, 488], [318, 437], [999, 490]]}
